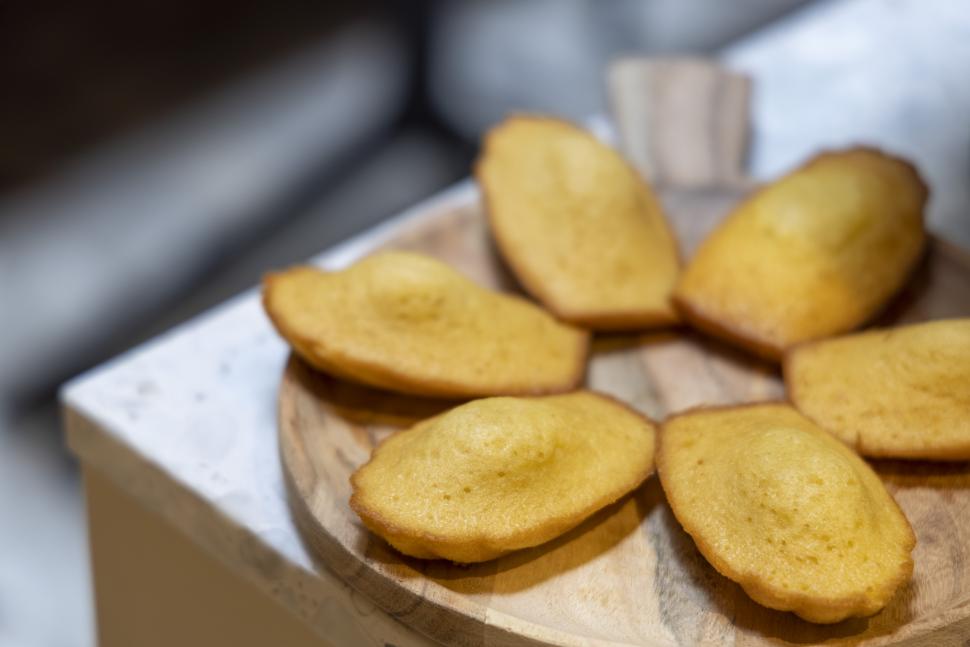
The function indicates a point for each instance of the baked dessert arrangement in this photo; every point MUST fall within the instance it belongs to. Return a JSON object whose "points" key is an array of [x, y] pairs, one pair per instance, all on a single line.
{"points": [[893, 393], [409, 323], [785, 510], [583, 233], [815, 254], [500, 474], [776, 497]]}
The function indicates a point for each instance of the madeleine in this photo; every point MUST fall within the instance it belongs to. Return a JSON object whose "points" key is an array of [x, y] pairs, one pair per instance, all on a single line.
{"points": [[500, 474], [785, 510], [577, 225], [895, 393], [812, 255], [409, 323]]}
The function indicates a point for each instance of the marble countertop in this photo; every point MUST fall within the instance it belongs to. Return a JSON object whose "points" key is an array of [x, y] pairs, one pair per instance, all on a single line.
{"points": [[187, 422]]}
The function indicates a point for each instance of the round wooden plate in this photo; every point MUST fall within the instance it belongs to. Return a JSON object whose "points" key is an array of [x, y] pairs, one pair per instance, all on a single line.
{"points": [[629, 574]]}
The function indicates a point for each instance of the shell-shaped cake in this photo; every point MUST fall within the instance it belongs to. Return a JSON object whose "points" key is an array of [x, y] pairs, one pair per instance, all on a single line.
{"points": [[579, 227], [815, 254], [785, 510], [894, 393], [409, 323], [499, 474]]}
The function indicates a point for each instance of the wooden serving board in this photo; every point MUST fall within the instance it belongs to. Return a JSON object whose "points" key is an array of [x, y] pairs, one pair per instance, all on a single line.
{"points": [[629, 574]]}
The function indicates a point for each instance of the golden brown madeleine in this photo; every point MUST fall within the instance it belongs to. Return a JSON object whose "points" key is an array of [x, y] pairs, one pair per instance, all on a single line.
{"points": [[581, 230], [409, 323], [814, 254], [500, 474], [785, 510], [900, 393]]}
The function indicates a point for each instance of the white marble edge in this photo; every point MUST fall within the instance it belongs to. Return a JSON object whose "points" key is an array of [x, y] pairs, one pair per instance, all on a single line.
{"points": [[186, 424]]}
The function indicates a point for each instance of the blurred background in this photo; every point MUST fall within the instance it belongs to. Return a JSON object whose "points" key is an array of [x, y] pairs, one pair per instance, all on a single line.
{"points": [[158, 157]]}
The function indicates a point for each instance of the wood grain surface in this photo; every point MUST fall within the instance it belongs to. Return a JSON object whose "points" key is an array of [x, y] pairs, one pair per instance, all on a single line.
{"points": [[629, 574], [682, 121]]}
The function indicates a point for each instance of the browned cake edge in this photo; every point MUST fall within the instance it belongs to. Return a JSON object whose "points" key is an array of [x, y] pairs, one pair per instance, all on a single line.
{"points": [[724, 330]]}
